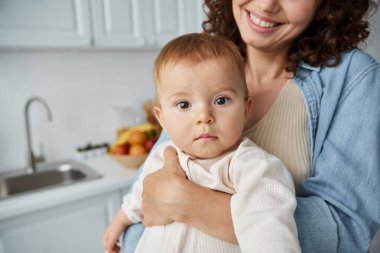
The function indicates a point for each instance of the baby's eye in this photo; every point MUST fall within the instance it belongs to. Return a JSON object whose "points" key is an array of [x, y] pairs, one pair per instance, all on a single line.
{"points": [[222, 100], [182, 105]]}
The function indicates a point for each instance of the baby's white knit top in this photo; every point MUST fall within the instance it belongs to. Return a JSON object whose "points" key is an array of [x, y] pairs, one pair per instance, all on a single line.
{"points": [[262, 204]]}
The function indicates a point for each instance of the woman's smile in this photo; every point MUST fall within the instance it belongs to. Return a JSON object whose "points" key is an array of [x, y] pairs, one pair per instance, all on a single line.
{"points": [[261, 21]]}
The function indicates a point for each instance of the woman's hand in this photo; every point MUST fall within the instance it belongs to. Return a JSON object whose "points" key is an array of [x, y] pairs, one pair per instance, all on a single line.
{"points": [[163, 191], [168, 196]]}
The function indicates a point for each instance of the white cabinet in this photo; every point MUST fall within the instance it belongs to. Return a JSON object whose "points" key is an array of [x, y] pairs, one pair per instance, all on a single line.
{"points": [[170, 18], [68, 228], [99, 23], [119, 23], [44, 23], [65, 219]]}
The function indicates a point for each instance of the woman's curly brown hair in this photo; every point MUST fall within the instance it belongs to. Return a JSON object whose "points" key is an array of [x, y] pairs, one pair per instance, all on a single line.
{"points": [[338, 26]]}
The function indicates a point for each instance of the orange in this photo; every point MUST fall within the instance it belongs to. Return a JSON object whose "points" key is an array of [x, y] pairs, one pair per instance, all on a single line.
{"points": [[137, 149], [137, 137]]}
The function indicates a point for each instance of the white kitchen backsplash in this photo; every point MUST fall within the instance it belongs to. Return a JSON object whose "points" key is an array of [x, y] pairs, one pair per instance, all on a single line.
{"points": [[85, 90], [374, 38]]}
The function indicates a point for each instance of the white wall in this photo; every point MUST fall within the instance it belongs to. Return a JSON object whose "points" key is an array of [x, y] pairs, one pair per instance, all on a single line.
{"points": [[82, 89], [374, 38]]}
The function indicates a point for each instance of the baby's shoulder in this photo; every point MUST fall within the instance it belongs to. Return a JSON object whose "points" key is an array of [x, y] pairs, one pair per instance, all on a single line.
{"points": [[250, 150]]}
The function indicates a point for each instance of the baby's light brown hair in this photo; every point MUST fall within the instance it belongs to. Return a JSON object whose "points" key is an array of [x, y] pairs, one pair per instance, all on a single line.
{"points": [[194, 48]]}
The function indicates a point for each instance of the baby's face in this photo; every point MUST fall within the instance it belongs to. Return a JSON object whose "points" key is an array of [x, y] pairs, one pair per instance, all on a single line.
{"points": [[202, 106]]}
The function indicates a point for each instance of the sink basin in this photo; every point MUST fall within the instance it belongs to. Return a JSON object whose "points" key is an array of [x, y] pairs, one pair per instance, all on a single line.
{"points": [[48, 175]]}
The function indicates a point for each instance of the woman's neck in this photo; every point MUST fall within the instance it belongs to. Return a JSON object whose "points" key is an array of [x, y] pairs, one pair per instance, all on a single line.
{"points": [[265, 76], [265, 68]]}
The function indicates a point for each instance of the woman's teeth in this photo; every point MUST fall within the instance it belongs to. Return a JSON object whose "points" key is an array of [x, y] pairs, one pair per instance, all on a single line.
{"points": [[260, 22]]}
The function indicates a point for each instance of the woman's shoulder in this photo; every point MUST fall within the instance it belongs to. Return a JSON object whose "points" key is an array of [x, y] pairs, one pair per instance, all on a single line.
{"points": [[357, 60], [354, 60], [353, 67]]}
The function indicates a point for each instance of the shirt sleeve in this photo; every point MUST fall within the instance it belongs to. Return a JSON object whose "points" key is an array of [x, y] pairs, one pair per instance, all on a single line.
{"points": [[263, 206], [339, 206]]}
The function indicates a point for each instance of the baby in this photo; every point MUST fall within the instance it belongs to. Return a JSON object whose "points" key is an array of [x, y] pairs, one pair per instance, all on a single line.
{"points": [[203, 104]]}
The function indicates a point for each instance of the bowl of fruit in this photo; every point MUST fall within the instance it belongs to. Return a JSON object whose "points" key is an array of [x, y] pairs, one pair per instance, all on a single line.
{"points": [[133, 145]]}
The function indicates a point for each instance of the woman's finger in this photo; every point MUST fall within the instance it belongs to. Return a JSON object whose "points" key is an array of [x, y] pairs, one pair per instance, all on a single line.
{"points": [[171, 161]]}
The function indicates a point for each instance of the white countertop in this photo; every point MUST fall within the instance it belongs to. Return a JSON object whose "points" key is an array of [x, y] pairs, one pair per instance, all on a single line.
{"points": [[114, 177]]}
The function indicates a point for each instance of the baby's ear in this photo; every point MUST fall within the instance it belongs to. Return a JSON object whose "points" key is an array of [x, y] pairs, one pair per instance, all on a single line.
{"points": [[158, 114], [248, 108]]}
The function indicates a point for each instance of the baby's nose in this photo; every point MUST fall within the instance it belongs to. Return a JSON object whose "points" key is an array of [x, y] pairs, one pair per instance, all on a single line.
{"points": [[205, 116]]}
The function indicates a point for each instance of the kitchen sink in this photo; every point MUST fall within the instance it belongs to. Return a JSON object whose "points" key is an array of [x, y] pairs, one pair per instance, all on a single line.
{"points": [[48, 175]]}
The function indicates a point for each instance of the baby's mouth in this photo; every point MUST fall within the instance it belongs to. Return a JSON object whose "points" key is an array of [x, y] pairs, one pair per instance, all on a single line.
{"points": [[206, 137]]}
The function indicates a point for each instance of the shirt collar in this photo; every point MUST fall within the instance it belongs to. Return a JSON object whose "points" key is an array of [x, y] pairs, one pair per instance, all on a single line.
{"points": [[309, 67]]}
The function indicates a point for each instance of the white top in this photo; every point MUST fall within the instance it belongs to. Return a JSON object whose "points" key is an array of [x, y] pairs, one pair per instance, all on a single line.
{"points": [[262, 204]]}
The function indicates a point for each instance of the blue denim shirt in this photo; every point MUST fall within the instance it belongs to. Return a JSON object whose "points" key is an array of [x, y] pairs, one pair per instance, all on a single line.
{"points": [[338, 207]]}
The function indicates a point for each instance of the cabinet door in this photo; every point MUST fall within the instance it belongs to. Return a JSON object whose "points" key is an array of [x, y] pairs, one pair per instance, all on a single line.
{"points": [[118, 23], [171, 18], [70, 228], [44, 23]]}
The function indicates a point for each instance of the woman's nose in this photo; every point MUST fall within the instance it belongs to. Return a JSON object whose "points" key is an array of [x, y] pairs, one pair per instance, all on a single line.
{"points": [[269, 6]]}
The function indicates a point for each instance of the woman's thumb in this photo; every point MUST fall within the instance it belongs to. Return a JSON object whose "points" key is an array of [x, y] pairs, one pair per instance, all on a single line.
{"points": [[171, 160]]}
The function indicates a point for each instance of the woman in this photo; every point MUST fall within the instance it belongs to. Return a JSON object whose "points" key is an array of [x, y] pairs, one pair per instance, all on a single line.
{"points": [[315, 105]]}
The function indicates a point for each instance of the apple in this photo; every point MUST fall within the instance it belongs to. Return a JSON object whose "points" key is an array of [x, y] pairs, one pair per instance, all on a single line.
{"points": [[149, 145], [122, 149]]}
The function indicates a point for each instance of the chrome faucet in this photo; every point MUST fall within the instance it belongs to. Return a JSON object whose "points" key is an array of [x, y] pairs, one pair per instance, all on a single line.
{"points": [[31, 159]]}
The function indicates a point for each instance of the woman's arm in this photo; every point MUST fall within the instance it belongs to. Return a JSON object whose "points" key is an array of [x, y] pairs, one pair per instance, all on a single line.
{"points": [[340, 199], [180, 200]]}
